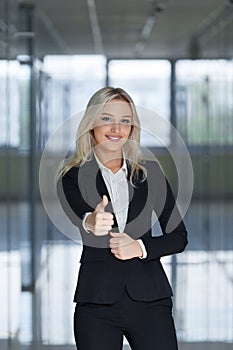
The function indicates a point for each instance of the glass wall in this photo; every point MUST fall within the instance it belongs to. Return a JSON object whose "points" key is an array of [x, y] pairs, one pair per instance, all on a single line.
{"points": [[204, 109], [9, 139], [207, 85], [73, 79], [148, 82]]}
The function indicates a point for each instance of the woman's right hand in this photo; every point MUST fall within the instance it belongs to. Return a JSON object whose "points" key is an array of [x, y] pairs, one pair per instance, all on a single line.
{"points": [[100, 222]]}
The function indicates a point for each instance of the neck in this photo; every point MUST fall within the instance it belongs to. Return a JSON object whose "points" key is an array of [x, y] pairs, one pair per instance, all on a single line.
{"points": [[111, 160]]}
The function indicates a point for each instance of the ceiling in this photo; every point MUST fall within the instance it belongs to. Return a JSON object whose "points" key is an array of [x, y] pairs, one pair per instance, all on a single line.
{"points": [[122, 28]]}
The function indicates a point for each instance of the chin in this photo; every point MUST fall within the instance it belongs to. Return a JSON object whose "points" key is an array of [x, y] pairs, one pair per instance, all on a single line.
{"points": [[113, 146]]}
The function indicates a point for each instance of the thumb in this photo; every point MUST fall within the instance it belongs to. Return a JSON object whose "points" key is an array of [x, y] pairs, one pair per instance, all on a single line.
{"points": [[101, 206]]}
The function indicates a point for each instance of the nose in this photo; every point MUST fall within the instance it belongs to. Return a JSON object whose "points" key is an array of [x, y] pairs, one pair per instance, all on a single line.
{"points": [[115, 127]]}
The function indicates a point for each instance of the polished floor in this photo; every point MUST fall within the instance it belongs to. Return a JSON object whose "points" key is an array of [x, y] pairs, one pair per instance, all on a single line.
{"points": [[202, 279], [182, 346]]}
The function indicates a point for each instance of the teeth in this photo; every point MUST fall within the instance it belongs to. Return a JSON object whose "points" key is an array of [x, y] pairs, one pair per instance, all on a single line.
{"points": [[113, 138]]}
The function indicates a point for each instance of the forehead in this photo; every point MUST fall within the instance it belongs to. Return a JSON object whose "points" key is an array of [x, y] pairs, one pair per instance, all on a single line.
{"points": [[118, 108]]}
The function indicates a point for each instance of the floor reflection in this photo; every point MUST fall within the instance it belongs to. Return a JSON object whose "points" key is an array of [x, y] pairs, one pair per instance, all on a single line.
{"points": [[202, 278]]}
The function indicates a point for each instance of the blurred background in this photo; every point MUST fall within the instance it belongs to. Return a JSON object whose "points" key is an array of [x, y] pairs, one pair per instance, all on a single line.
{"points": [[172, 56]]}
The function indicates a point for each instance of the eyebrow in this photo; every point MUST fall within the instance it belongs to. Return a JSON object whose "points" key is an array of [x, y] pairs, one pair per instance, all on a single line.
{"points": [[111, 115]]}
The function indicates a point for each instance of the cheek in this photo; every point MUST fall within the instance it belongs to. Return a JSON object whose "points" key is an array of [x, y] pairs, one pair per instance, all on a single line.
{"points": [[99, 132], [127, 130]]}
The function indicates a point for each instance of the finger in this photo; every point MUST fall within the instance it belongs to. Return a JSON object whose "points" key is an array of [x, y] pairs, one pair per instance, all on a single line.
{"points": [[116, 234], [106, 228], [104, 223], [113, 245], [101, 232], [101, 206], [104, 216], [114, 250], [116, 240], [108, 220], [113, 240], [118, 256]]}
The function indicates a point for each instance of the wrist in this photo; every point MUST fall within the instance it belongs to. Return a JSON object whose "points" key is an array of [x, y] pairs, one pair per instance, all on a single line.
{"points": [[87, 222], [143, 249], [139, 250]]}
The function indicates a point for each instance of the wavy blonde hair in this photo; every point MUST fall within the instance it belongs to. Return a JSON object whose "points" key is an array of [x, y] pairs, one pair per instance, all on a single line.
{"points": [[85, 141]]}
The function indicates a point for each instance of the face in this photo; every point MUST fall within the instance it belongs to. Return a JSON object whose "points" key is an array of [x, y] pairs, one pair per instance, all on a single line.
{"points": [[112, 129]]}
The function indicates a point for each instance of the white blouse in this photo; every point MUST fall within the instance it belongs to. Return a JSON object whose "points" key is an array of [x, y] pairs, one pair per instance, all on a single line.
{"points": [[117, 187]]}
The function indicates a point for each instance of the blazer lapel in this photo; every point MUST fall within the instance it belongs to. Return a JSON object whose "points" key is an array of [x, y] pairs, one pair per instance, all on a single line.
{"points": [[95, 186], [138, 200]]}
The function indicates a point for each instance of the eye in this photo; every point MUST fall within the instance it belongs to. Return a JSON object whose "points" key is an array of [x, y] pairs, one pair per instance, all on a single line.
{"points": [[106, 119], [125, 121]]}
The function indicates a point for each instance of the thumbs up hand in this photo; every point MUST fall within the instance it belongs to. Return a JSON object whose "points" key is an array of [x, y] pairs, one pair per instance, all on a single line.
{"points": [[100, 222]]}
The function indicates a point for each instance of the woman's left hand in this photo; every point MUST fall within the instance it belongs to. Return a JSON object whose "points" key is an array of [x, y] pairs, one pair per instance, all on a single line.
{"points": [[124, 247]]}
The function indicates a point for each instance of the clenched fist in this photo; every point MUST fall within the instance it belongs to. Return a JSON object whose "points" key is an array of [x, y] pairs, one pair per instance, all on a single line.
{"points": [[100, 222], [124, 247]]}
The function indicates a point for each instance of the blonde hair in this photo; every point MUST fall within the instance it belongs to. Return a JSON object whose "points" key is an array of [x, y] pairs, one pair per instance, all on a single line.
{"points": [[85, 141]]}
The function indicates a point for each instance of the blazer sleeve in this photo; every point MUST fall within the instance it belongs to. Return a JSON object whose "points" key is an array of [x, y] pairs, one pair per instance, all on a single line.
{"points": [[174, 237], [71, 198]]}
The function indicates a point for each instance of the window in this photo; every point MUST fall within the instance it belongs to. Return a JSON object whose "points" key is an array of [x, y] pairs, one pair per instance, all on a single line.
{"points": [[148, 83], [204, 101]]}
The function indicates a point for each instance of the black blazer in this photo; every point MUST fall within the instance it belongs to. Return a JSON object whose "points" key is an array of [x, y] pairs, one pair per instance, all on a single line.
{"points": [[102, 277]]}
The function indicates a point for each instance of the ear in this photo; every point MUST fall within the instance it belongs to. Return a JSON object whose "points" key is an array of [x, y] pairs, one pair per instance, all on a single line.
{"points": [[91, 131]]}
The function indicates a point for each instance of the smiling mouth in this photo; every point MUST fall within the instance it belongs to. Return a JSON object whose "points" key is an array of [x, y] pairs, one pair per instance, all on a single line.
{"points": [[113, 138]]}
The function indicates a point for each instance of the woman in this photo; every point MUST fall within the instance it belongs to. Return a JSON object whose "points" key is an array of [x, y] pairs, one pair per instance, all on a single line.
{"points": [[109, 192]]}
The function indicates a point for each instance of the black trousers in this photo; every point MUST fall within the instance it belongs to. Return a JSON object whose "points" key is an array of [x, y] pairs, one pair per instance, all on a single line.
{"points": [[147, 325]]}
